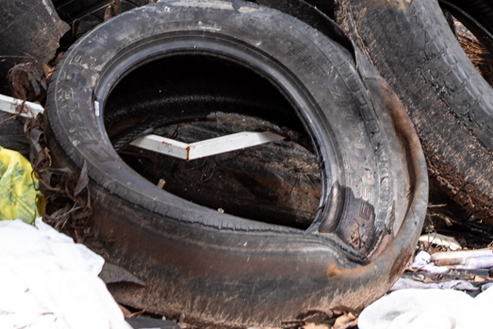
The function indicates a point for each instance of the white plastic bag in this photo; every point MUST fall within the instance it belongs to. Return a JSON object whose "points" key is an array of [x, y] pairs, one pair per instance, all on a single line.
{"points": [[48, 281], [430, 309]]}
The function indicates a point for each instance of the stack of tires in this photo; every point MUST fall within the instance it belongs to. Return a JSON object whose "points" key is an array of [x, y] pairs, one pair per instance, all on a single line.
{"points": [[344, 94]]}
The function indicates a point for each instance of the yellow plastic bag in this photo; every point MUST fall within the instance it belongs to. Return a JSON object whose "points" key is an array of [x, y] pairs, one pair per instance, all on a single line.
{"points": [[19, 197]]}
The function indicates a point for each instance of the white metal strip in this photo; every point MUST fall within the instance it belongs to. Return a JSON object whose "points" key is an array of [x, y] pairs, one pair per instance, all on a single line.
{"points": [[162, 145], [8, 104], [207, 147], [168, 146]]}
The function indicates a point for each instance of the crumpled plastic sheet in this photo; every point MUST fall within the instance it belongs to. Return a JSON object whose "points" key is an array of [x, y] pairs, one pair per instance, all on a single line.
{"points": [[19, 194], [48, 281], [423, 262], [431, 309]]}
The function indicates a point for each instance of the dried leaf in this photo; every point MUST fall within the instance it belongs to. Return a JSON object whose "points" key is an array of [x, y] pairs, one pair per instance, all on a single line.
{"points": [[478, 279], [117, 7], [83, 180], [107, 12], [114, 9], [131, 315], [428, 279], [48, 72], [57, 185], [345, 321], [125, 311]]}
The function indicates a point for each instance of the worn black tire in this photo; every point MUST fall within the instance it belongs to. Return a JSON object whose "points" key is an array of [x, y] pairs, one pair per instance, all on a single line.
{"points": [[29, 33], [94, 9], [449, 102], [217, 268]]}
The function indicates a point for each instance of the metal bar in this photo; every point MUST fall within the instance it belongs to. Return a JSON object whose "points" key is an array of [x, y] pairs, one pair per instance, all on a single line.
{"points": [[168, 146], [162, 145], [207, 147], [9, 104]]}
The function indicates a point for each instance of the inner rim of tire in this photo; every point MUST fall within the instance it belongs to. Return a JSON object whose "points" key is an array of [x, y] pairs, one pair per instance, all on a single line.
{"points": [[196, 97]]}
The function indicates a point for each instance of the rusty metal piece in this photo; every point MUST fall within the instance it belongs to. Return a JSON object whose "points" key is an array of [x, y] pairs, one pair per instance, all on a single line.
{"points": [[207, 147]]}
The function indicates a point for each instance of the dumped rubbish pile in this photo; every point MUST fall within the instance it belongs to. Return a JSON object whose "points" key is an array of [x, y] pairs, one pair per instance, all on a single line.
{"points": [[249, 164]]}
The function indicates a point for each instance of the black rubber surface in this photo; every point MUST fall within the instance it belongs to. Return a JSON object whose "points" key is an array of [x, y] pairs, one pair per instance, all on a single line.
{"points": [[450, 103], [71, 10], [218, 268], [90, 10], [29, 32], [148, 323]]}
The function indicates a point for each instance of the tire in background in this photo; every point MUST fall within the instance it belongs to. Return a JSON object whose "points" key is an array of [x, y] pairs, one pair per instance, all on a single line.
{"points": [[93, 10], [29, 32], [450, 104]]}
